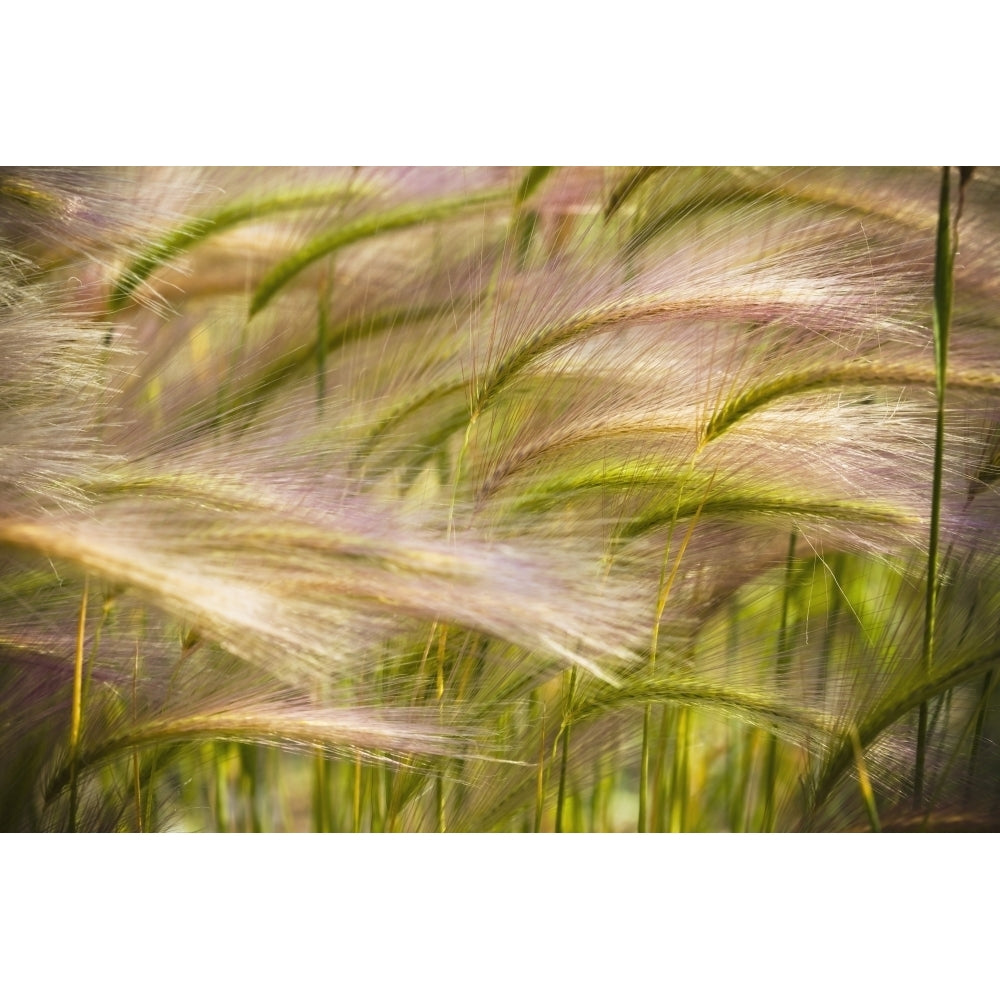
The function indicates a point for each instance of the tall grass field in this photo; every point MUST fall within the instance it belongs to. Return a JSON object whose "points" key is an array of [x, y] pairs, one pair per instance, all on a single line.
{"points": [[534, 499]]}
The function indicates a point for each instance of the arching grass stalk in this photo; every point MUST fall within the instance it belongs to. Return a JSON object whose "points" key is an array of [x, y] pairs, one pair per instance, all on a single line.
{"points": [[532, 178], [399, 217], [76, 717], [944, 261], [194, 231], [855, 373]]}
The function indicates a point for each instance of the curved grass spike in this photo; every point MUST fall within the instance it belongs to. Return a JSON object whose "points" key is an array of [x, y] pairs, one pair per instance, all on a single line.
{"points": [[767, 712], [740, 198], [727, 500], [556, 334], [604, 429], [246, 402], [400, 413], [895, 708], [520, 232], [792, 189], [264, 728], [598, 318], [717, 304], [194, 231], [859, 374], [399, 217], [734, 191]]}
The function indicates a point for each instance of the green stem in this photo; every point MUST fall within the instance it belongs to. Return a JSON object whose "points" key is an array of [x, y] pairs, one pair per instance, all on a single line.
{"points": [[679, 779], [540, 787], [644, 768], [943, 280], [564, 766], [321, 813], [356, 810], [660, 777], [984, 704], [135, 752], [863, 781], [782, 666], [76, 717]]}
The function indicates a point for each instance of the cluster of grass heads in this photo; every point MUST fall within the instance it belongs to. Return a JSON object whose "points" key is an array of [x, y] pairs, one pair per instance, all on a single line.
{"points": [[499, 499]]}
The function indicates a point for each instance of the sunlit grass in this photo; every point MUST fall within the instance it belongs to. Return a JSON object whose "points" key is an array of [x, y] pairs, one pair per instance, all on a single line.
{"points": [[541, 499]]}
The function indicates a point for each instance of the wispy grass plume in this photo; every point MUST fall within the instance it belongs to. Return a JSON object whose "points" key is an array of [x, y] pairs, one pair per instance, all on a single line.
{"points": [[515, 499]]}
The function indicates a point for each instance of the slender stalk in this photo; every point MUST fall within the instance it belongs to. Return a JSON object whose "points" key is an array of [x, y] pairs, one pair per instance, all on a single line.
{"points": [[564, 766], [356, 798], [679, 779], [135, 752], [749, 777], [647, 714], [540, 786], [666, 583], [322, 337], [977, 736], [321, 814], [660, 777], [220, 767], [863, 781], [943, 282], [837, 572], [248, 763], [77, 711], [782, 664], [439, 789]]}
